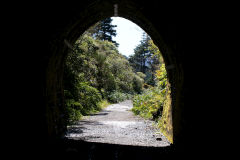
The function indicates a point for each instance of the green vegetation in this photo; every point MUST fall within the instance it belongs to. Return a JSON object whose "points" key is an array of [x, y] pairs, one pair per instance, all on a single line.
{"points": [[104, 30], [85, 101], [103, 104], [117, 96], [94, 72], [144, 61], [155, 101]]}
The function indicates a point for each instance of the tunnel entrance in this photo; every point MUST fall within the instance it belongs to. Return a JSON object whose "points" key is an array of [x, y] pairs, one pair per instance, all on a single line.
{"points": [[97, 72], [65, 36]]}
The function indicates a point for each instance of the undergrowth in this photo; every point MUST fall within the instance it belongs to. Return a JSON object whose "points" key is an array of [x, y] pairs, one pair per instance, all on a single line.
{"points": [[155, 104]]}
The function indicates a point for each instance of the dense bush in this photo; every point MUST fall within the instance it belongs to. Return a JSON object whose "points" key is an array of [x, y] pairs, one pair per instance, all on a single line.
{"points": [[94, 71], [117, 96], [86, 101], [150, 103], [73, 110], [155, 102], [101, 65], [89, 97]]}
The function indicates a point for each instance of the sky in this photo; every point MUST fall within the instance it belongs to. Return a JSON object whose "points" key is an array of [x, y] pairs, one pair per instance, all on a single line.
{"points": [[128, 35]]}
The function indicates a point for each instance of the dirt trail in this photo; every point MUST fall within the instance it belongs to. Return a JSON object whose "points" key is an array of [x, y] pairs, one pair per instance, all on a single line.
{"points": [[116, 124]]}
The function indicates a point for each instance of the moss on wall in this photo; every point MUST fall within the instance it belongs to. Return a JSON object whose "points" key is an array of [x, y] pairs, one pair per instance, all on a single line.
{"points": [[165, 123]]}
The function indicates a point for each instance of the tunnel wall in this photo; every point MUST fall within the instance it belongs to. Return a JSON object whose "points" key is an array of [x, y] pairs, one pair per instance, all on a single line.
{"points": [[39, 51], [69, 27]]}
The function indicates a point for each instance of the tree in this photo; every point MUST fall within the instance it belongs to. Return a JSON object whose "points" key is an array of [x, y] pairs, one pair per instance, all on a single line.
{"points": [[139, 60], [143, 60], [155, 62], [94, 70], [104, 31], [146, 59]]}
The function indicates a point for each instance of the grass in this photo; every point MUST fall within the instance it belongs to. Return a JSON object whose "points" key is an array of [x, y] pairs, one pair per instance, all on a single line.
{"points": [[103, 104]]}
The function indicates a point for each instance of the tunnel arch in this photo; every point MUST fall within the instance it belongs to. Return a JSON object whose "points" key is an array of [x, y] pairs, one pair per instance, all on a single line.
{"points": [[163, 33]]}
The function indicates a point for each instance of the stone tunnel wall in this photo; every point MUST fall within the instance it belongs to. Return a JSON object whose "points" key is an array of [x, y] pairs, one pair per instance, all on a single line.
{"points": [[43, 29], [70, 25], [33, 52]]}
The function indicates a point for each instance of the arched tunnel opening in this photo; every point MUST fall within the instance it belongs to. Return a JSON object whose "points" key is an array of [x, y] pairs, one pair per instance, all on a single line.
{"points": [[132, 77], [163, 33], [34, 38]]}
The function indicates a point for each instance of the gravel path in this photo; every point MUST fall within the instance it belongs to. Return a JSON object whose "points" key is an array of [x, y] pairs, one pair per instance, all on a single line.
{"points": [[116, 124]]}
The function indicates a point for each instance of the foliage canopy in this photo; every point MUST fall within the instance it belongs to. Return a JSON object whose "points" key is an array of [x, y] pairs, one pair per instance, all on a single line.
{"points": [[95, 70]]}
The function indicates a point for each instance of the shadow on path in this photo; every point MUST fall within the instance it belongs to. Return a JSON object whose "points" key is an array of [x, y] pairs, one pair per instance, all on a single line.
{"points": [[102, 113], [93, 150]]}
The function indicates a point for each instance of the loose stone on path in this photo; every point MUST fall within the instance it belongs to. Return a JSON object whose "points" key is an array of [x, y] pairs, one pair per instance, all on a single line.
{"points": [[116, 124]]}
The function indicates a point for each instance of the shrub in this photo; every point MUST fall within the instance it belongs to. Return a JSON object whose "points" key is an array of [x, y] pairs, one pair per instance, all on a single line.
{"points": [[74, 110], [150, 103], [117, 96], [86, 101], [155, 103], [138, 84], [89, 97]]}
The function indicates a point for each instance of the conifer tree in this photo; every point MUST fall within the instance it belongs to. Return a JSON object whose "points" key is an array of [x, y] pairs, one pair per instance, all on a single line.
{"points": [[144, 60], [104, 30], [141, 55]]}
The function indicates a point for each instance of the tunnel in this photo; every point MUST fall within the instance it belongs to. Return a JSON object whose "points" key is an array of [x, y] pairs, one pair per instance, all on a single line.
{"points": [[162, 30], [48, 36]]}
